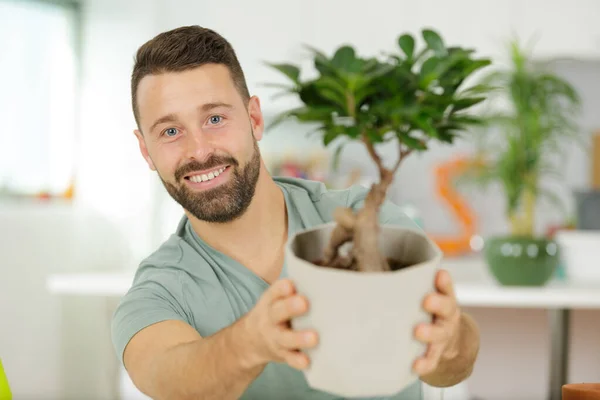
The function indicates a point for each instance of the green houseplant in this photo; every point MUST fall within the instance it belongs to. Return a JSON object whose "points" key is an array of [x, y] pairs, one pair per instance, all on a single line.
{"points": [[406, 99], [522, 148], [409, 98]]}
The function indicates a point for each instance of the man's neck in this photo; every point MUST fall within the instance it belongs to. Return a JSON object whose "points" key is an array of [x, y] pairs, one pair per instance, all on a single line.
{"points": [[257, 238]]}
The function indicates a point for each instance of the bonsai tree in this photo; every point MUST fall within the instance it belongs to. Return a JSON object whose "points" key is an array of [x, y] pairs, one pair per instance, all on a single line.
{"points": [[411, 97], [527, 138]]}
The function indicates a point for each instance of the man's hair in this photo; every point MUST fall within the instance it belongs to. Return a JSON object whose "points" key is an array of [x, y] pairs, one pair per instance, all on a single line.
{"points": [[182, 49]]}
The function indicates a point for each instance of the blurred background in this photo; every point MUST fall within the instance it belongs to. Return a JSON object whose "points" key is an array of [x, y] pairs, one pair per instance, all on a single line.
{"points": [[79, 207]]}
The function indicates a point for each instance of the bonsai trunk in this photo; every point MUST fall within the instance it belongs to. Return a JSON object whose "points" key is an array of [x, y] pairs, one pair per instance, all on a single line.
{"points": [[362, 227], [522, 223]]}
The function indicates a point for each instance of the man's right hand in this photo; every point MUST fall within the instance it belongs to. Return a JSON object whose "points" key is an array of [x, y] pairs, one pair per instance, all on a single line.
{"points": [[269, 331]]}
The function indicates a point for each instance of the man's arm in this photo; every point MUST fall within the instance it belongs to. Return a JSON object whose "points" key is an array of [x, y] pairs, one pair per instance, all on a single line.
{"points": [[169, 360], [457, 366]]}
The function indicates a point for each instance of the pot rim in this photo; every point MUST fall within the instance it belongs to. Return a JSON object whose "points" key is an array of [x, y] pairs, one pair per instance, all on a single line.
{"points": [[437, 258], [511, 237]]}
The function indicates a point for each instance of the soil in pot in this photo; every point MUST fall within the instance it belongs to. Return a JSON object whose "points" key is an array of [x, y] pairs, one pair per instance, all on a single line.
{"points": [[395, 265]]}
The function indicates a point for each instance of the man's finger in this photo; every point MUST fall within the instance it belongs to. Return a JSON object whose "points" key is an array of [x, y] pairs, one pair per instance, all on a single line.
{"points": [[443, 283], [430, 333], [440, 305], [297, 360], [285, 309], [280, 289], [294, 340], [428, 363]]}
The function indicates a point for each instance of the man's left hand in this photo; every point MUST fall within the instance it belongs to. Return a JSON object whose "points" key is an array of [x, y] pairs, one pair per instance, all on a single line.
{"points": [[442, 334]]}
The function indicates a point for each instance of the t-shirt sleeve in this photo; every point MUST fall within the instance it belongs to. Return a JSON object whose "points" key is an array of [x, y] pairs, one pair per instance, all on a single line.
{"points": [[156, 297], [389, 213]]}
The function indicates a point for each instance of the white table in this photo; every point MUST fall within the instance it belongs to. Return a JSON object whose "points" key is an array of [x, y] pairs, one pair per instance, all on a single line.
{"points": [[475, 287]]}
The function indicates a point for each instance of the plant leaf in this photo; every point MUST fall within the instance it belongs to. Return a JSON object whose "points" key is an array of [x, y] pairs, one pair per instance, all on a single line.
{"points": [[466, 102], [289, 70], [343, 57], [413, 143], [434, 42], [335, 162], [407, 44]]}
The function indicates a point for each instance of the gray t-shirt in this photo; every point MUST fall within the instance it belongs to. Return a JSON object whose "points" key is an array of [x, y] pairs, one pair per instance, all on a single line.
{"points": [[187, 280]]}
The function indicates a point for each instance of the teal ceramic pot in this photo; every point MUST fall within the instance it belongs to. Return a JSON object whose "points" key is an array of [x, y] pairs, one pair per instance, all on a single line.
{"points": [[522, 261]]}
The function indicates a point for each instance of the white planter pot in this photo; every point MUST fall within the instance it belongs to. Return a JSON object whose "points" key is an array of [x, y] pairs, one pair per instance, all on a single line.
{"points": [[580, 254], [365, 321]]}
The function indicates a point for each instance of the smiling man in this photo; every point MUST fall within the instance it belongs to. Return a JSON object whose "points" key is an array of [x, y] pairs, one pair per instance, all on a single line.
{"points": [[207, 316]]}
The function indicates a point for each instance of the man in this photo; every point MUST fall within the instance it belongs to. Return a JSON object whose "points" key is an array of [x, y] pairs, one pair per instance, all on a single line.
{"points": [[207, 315]]}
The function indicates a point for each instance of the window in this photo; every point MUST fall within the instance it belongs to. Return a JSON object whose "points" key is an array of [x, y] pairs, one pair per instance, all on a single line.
{"points": [[38, 92]]}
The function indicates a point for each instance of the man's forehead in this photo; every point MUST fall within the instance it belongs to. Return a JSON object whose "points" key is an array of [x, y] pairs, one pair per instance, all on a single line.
{"points": [[206, 84], [209, 75]]}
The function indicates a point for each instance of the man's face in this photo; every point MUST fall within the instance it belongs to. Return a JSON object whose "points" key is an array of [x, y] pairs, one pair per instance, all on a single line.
{"points": [[201, 138]]}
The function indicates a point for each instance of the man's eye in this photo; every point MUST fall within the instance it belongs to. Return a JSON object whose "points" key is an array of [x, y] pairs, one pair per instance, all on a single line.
{"points": [[215, 119], [171, 132]]}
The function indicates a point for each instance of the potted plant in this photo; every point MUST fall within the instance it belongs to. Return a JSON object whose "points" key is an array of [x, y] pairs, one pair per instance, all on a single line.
{"points": [[366, 281], [523, 147]]}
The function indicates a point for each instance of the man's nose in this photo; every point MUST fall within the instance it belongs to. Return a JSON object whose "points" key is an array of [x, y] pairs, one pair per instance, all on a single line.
{"points": [[198, 146]]}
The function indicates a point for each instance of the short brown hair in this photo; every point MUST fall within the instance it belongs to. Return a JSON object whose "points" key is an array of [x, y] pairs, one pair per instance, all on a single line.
{"points": [[181, 49]]}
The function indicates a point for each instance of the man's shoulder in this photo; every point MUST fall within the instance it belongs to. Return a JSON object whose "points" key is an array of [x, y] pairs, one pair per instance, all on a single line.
{"points": [[164, 260]]}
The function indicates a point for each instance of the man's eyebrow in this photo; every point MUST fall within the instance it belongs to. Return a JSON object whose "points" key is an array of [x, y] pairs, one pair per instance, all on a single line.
{"points": [[162, 120], [218, 104]]}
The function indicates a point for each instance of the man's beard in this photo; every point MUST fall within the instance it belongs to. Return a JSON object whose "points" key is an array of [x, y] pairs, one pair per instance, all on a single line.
{"points": [[225, 202]]}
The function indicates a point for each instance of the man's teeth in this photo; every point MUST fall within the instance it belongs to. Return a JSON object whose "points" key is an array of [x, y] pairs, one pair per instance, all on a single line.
{"points": [[206, 177]]}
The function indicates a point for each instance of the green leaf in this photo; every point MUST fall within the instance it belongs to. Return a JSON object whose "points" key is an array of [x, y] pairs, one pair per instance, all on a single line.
{"points": [[281, 117], [428, 72], [407, 44], [466, 102], [312, 96], [434, 42], [467, 120], [335, 97], [374, 136], [423, 123], [343, 57], [314, 114], [315, 52], [378, 71], [330, 136], [413, 143], [330, 83], [289, 70], [335, 162]]}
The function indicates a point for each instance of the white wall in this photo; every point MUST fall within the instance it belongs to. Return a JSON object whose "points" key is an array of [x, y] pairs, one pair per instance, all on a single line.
{"points": [[112, 176], [59, 348], [115, 181]]}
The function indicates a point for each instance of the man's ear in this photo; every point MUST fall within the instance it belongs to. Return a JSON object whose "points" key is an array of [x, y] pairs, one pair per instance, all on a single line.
{"points": [[143, 149], [256, 117]]}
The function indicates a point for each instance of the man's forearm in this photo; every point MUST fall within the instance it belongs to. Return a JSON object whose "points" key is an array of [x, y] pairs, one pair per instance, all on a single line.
{"points": [[456, 369], [220, 366]]}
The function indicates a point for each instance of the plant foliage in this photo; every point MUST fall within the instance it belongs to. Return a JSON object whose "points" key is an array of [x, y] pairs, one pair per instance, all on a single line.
{"points": [[525, 142], [411, 96]]}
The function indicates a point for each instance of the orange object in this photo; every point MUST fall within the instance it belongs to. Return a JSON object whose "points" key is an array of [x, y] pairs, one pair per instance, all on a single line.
{"points": [[445, 173], [70, 192], [596, 161], [581, 391]]}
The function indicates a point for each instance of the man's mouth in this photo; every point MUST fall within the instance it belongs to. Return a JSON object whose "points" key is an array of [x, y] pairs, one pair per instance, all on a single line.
{"points": [[205, 176]]}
